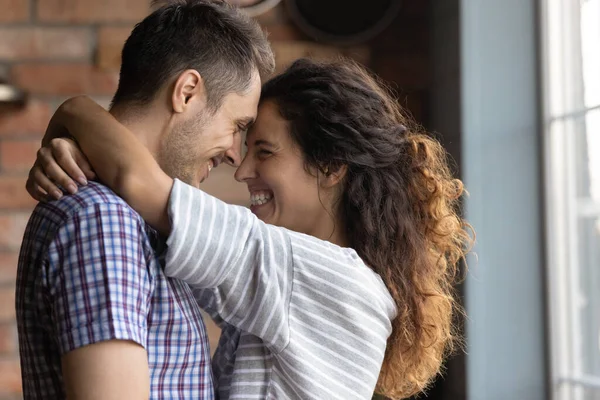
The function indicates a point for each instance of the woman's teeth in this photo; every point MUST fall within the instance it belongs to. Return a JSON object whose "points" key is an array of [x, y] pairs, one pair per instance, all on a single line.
{"points": [[257, 199]]}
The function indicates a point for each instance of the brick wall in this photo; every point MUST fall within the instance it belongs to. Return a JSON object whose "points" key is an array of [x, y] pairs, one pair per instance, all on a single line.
{"points": [[59, 48]]}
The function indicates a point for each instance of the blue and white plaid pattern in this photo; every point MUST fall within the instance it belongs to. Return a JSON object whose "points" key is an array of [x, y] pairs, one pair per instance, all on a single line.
{"points": [[88, 272]]}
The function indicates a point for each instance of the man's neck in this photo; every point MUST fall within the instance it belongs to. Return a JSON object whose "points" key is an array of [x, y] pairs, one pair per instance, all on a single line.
{"points": [[145, 124]]}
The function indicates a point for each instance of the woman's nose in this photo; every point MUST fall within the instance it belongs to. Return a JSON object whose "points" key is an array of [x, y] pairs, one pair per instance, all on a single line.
{"points": [[246, 169]]}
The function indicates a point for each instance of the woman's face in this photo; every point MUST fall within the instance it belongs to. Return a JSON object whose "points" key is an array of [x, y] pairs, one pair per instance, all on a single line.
{"points": [[282, 191]]}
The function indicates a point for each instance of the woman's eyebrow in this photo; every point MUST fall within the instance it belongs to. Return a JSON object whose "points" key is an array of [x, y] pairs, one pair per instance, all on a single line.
{"points": [[259, 142]]}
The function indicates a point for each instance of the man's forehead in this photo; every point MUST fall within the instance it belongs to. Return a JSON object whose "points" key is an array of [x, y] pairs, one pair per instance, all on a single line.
{"points": [[239, 111], [242, 107]]}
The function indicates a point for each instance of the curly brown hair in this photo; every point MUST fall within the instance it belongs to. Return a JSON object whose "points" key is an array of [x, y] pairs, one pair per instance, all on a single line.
{"points": [[399, 204]]}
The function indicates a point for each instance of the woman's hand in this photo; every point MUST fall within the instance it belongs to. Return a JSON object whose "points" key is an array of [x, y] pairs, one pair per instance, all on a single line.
{"points": [[58, 163]]}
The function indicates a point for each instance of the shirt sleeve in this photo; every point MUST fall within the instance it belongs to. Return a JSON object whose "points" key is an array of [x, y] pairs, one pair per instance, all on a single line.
{"points": [[98, 279], [247, 264]]}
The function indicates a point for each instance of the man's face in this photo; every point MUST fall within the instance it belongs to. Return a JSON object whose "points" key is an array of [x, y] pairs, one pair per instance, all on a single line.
{"points": [[198, 143]]}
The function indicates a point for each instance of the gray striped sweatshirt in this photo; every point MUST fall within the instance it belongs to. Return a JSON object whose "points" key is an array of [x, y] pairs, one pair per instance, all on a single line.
{"points": [[302, 318]]}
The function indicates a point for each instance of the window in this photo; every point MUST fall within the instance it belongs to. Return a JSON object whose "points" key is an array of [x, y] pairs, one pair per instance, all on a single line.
{"points": [[571, 63]]}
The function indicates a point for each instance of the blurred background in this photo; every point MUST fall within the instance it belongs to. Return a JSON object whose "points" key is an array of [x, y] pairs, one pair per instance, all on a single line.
{"points": [[512, 88]]}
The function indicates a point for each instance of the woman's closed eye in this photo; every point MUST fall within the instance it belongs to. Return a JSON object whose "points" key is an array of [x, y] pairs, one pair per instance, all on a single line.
{"points": [[263, 153]]}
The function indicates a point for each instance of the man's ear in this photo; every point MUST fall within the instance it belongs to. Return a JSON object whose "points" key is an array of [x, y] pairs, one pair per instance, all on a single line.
{"points": [[331, 178], [189, 88]]}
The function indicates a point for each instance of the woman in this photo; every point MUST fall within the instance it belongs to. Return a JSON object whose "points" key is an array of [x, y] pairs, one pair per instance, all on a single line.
{"points": [[359, 298]]}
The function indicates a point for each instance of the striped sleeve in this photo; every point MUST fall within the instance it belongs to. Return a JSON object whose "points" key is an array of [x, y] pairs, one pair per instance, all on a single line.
{"points": [[247, 264]]}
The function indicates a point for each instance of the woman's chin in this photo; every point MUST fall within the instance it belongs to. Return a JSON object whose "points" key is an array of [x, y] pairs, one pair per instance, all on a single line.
{"points": [[263, 211]]}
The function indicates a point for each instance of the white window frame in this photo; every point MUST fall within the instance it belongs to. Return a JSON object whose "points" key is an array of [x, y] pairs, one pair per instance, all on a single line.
{"points": [[562, 105]]}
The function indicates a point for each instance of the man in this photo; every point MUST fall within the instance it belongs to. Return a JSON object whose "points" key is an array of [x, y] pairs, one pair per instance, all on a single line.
{"points": [[97, 317]]}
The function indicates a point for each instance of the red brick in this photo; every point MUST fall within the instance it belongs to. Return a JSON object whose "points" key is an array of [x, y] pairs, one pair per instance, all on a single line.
{"points": [[32, 119], [18, 155], [110, 45], [8, 339], [7, 304], [10, 376], [13, 194], [92, 11], [64, 79], [24, 43], [12, 227], [8, 266], [14, 10]]}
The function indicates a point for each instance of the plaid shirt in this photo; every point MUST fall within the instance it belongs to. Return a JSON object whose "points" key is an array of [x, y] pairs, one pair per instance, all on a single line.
{"points": [[88, 272]]}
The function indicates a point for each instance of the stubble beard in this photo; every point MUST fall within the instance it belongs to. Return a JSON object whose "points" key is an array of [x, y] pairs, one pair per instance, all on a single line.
{"points": [[178, 155]]}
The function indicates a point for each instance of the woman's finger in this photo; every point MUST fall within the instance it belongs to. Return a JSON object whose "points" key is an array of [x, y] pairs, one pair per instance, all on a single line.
{"points": [[54, 172], [69, 159], [31, 187], [40, 194], [38, 180], [85, 166], [34, 190]]}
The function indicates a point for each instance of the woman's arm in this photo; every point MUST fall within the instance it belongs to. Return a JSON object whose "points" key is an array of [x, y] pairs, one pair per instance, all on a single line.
{"points": [[247, 264], [120, 160]]}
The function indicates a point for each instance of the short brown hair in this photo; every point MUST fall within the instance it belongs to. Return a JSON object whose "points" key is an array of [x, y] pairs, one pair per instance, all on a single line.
{"points": [[218, 40]]}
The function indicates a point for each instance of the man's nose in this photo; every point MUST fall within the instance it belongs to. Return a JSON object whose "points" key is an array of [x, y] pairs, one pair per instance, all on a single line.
{"points": [[233, 156]]}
